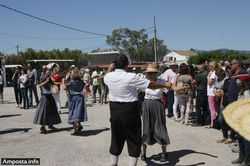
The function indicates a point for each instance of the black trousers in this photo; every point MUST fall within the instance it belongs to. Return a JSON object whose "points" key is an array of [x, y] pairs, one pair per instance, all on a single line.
{"points": [[244, 150], [32, 89], [202, 108], [170, 103], [225, 128], [95, 89], [24, 92], [18, 95], [125, 126], [1, 92], [105, 92]]}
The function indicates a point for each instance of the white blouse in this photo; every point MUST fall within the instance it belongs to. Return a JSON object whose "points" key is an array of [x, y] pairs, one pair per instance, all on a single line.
{"points": [[154, 94]]}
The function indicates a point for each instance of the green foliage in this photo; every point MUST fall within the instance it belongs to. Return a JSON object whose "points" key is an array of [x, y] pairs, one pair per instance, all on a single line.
{"points": [[80, 58], [217, 56], [135, 43], [149, 50]]}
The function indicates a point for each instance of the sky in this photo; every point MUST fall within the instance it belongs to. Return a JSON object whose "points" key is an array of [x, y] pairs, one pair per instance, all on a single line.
{"points": [[182, 24]]}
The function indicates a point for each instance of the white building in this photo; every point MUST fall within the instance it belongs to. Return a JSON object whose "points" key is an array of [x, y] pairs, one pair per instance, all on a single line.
{"points": [[177, 57]]}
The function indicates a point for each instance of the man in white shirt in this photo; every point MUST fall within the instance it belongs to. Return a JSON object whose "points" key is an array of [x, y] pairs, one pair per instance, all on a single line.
{"points": [[170, 76], [96, 84], [124, 109]]}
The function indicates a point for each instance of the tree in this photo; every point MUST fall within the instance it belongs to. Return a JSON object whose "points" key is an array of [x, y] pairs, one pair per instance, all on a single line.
{"points": [[217, 56], [136, 44], [161, 50], [129, 41], [80, 58]]}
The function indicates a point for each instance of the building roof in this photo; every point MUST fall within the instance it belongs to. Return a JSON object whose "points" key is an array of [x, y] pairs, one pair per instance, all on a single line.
{"points": [[142, 66], [104, 53], [12, 66], [177, 56], [51, 60], [187, 53]]}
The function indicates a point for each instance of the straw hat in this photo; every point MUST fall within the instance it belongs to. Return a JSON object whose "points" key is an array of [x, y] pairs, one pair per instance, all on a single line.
{"points": [[237, 116], [50, 65], [72, 66], [151, 68], [87, 70]]}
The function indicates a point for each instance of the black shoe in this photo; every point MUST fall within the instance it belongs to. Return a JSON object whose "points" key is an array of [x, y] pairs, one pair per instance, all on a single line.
{"points": [[170, 116], [245, 164], [76, 132], [237, 161], [164, 157], [143, 157], [43, 130], [52, 127]]}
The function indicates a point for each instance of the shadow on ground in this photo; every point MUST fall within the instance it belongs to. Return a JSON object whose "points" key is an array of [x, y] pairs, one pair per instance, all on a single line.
{"points": [[174, 158], [66, 112], [10, 115], [8, 102], [89, 105], [8, 131], [86, 133], [59, 130]]}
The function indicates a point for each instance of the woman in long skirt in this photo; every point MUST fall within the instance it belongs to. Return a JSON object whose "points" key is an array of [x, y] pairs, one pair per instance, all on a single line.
{"points": [[56, 87], [46, 113], [153, 116], [77, 111]]}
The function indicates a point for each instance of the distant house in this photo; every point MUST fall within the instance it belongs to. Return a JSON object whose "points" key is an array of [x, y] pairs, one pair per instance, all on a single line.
{"points": [[104, 57], [177, 57]]}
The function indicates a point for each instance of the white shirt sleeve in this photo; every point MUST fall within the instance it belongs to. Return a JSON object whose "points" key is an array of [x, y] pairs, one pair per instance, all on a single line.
{"points": [[139, 82], [94, 74]]}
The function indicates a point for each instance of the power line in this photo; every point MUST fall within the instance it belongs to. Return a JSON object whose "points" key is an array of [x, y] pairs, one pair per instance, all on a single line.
{"points": [[44, 38], [149, 28], [150, 32], [50, 22], [4, 50]]}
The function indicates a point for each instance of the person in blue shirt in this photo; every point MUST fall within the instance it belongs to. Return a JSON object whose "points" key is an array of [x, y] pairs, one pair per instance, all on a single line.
{"points": [[77, 112]]}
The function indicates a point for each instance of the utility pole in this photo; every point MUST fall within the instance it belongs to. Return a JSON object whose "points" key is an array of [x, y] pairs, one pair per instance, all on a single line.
{"points": [[17, 49], [155, 42]]}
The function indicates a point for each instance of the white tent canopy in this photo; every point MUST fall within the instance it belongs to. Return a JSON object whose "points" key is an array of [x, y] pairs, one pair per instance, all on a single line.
{"points": [[174, 57]]}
